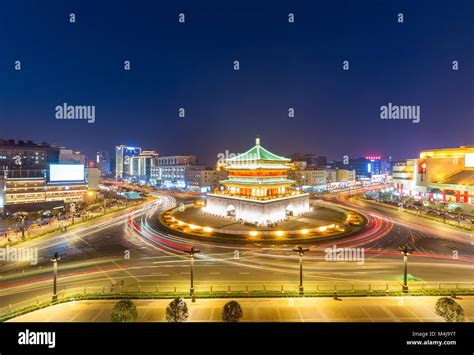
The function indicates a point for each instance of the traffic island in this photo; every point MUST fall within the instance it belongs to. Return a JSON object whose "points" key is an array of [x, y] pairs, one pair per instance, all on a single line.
{"points": [[321, 222]]}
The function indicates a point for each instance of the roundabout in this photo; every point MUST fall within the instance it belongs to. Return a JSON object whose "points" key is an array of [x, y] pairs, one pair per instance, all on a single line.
{"points": [[320, 222], [258, 202]]}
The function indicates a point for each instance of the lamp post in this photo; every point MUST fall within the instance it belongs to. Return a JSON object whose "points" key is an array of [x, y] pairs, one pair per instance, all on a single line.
{"points": [[90, 194], [300, 250], [55, 260], [191, 252], [405, 251]]}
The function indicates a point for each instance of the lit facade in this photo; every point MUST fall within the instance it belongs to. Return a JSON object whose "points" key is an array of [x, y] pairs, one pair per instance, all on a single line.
{"points": [[142, 164], [123, 160], [170, 171], [24, 187], [257, 189], [200, 178], [26, 155], [441, 174]]}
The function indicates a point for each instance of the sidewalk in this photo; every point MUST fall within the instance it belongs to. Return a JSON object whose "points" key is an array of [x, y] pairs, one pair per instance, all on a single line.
{"points": [[350, 309], [464, 225], [15, 238]]}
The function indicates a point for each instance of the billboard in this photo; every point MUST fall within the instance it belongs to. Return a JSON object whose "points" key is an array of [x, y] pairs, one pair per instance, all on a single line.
{"points": [[469, 160], [66, 172]]}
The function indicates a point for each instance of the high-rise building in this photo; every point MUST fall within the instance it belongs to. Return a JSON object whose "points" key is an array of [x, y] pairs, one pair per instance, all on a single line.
{"points": [[102, 161], [142, 164], [123, 160]]}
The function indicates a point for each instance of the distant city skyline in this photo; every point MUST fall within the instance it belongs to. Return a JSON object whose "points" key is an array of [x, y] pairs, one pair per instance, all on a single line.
{"points": [[213, 160], [282, 66]]}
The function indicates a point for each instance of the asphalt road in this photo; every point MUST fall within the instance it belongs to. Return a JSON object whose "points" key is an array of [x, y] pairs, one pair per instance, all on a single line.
{"points": [[131, 250]]}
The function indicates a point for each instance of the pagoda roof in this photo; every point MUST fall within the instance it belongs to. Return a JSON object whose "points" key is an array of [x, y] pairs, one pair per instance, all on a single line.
{"points": [[257, 153]]}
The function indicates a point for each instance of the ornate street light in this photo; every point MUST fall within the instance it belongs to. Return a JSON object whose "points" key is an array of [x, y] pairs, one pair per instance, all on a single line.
{"points": [[300, 250], [55, 260], [191, 252], [405, 251]]}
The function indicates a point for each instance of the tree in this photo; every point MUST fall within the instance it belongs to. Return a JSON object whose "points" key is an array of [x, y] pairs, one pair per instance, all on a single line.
{"points": [[232, 312], [22, 217], [177, 311], [124, 311], [450, 310]]}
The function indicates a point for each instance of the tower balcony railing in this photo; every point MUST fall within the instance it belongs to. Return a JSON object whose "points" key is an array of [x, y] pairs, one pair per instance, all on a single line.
{"points": [[260, 198]]}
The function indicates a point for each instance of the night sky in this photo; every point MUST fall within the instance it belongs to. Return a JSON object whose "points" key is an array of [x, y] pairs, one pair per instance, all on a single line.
{"points": [[282, 65]]}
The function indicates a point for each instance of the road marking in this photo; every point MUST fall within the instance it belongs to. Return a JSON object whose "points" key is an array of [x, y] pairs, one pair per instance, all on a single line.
{"points": [[184, 273], [244, 273], [126, 271], [214, 273], [97, 315], [160, 274]]}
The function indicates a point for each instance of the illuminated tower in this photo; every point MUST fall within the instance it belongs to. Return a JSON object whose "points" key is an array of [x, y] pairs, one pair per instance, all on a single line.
{"points": [[257, 190]]}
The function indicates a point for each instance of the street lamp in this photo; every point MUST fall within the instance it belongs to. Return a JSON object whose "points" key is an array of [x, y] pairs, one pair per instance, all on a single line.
{"points": [[55, 260], [405, 251], [300, 250], [90, 195], [191, 252]]}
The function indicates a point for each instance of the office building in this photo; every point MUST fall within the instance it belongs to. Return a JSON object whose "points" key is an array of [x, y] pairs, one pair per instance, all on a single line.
{"points": [[123, 160], [170, 171], [26, 155], [103, 162]]}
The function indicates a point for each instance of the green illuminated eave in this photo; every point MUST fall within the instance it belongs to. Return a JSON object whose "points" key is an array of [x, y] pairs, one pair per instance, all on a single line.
{"points": [[257, 154]]}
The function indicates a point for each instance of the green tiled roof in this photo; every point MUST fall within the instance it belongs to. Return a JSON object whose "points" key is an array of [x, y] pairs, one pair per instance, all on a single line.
{"points": [[257, 153]]}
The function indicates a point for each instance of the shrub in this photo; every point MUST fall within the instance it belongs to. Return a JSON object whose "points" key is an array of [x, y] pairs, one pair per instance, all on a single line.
{"points": [[124, 311], [177, 311], [450, 310], [232, 312]]}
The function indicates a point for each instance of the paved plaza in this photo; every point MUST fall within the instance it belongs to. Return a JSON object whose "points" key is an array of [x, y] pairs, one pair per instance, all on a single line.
{"points": [[350, 309]]}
